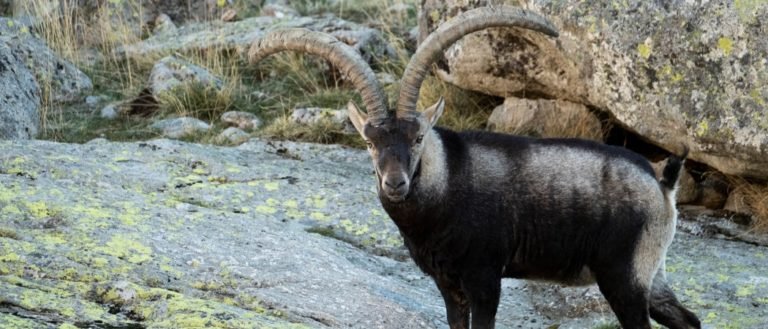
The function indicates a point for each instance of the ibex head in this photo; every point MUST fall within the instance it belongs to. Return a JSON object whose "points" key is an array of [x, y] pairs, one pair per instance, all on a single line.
{"points": [[396, 145], [396, 137]]}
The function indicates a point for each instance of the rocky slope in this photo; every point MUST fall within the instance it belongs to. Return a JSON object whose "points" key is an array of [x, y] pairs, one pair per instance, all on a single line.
{"points": [[166, 234]]}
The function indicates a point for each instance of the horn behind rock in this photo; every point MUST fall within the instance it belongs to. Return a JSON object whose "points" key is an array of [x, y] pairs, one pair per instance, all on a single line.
{"points": [[453, 30]]}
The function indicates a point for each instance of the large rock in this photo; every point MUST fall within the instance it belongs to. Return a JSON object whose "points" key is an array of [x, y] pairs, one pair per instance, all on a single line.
{"points": [[181, 127], [684, 73], [19, 96], [55, 75], [171, 73], [166, 234], [238, 36], [545, 118]]}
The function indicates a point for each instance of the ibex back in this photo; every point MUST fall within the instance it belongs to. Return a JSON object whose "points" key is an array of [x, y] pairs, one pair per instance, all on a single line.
{"points": [[476, 207]]}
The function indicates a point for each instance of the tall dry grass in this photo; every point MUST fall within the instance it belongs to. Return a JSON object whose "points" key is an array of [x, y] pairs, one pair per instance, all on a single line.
{"points": [[291, 80], [752, 197]]}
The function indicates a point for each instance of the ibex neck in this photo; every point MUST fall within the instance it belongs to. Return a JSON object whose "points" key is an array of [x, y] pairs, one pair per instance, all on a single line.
{"points": [[433, 178]]}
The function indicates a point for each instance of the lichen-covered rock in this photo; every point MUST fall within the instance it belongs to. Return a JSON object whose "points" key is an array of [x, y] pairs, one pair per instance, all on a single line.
{"points": [[109, 112], [19, 96], [164, 24], [545, 118], [312, 115], [243, 120], [232, 136], [171, 73], [675, 73], [166, 234], [278, 11], [180, 127], [238, 36], [317, 115]]}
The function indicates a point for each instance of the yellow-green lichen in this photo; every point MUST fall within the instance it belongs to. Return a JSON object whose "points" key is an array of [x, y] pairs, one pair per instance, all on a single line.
{"points": [[11, 321], [265, 209], [318, 216], [319, 202], [127, 248], [292, 204], [702, 128], [272, 186], [746, 9], [745, 291], [725, 45], [38, 209], [644, 50], [295, 214]]}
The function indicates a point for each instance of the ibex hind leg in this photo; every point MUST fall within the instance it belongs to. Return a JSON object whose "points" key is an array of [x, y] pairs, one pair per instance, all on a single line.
{"points": [[667, 310], [628, 299]]}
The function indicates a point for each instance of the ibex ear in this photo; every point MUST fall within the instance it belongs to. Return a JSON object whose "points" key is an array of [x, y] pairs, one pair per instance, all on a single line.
{"points": [[357, 117], [434, 112]]}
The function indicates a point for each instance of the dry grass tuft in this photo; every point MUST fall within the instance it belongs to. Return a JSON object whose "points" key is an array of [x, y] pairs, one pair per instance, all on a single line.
{"points": [[323, 131], [754, 198], [289, 80], [464, 109]]}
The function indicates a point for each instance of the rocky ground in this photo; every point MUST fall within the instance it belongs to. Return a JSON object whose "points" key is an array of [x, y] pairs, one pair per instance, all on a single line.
{"points": [[167, 234]]}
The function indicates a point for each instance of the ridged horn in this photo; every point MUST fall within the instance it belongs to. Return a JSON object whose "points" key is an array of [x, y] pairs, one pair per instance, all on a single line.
{"points": [[342, 56], [453, 30]]}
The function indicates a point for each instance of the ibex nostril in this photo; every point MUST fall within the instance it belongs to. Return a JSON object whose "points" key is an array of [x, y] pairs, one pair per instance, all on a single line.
{"points": [[394, 184]]}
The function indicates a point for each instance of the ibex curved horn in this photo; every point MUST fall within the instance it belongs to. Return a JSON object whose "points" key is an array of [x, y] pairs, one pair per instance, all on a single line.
{"points": [[453, 30], [342, 56]]}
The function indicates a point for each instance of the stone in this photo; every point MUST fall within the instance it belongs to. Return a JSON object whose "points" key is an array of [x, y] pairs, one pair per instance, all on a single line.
{"points": [[244, 120], [164, 24], [313, 115], [109, 112], [266, 234], [386, 79], [232, 136], [180, 127], [279, 11], [19, 96], [545, 118], [54, 74], [92, 100], [693, 73], [172, 72], [237, 37], [229, 15]]}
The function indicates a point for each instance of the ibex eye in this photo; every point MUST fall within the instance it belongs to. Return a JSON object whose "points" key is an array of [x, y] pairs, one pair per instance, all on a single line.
{"points": [[369, 144], [419, 139]]}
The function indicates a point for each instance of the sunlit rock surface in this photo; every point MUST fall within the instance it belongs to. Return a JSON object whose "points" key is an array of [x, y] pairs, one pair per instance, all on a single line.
{"points": [[166, 234]]}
